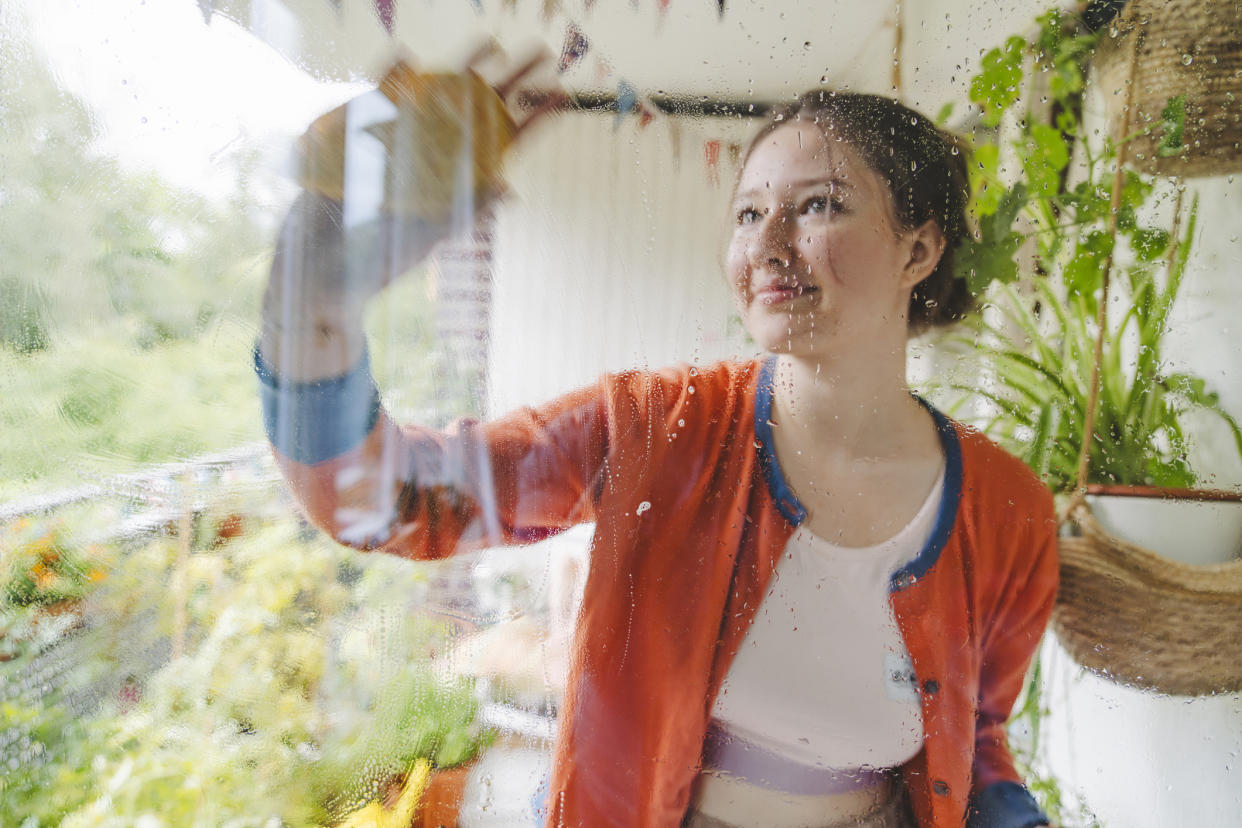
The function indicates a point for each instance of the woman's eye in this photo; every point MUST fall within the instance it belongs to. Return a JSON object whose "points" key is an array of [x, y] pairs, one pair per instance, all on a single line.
{"points": [[822, 205], [747, 215]]}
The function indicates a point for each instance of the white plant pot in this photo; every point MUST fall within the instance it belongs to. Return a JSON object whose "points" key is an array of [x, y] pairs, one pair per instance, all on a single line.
{"points": [[1191, 531]]}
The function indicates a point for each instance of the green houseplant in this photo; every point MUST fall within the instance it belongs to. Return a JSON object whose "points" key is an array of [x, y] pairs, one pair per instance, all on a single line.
{"points": [[1040, 358], [1048, 229]]}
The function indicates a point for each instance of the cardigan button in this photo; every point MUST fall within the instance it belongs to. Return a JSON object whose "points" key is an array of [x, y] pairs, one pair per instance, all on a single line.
{"points": [[931, 687], [940, 787]]}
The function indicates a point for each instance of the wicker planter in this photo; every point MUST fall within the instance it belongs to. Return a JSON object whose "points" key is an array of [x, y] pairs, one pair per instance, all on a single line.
{"points": [[1159, 619], [1184, 47]]}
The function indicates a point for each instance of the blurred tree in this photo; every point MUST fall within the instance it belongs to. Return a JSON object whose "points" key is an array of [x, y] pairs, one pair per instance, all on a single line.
{"points": [[115, 288], [88, 242], [128, 306]]}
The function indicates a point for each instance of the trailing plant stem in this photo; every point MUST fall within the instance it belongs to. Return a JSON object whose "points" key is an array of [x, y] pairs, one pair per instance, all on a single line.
{"points": [[1088, 431]]}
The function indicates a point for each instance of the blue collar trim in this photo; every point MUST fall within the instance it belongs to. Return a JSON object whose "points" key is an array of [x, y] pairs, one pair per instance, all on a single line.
{"points": [[793, 510], [786, 501], [949, 498]]}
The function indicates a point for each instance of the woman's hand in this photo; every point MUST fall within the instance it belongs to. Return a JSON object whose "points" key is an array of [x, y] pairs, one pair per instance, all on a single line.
{"points": [[386, 177]]}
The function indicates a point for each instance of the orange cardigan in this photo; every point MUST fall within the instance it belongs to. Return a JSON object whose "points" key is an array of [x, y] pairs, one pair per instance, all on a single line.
{"points": [[691, 510]]}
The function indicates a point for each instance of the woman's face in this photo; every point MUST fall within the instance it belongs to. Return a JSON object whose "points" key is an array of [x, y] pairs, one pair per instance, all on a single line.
{"points": [[816, 252]]}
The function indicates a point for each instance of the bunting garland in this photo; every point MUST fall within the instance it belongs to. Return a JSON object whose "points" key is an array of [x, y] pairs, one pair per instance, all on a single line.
{"points": [[574, 50]]}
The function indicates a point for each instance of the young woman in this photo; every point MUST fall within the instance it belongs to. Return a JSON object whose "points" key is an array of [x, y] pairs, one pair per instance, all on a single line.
{"points": [[812, 598]]}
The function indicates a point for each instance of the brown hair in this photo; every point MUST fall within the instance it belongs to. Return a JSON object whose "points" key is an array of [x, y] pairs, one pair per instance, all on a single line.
{"points": [[925, 169]]}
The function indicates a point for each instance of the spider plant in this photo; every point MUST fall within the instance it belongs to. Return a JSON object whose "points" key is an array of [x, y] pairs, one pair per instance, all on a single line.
{"points": [[1037, 352]]}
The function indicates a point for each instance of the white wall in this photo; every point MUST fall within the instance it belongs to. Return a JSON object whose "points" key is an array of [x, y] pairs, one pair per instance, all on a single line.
{"points": [[609, 255], [1205, 332], [1137, 759]]}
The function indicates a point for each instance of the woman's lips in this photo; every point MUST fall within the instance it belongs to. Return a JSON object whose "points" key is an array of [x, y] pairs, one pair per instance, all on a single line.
{"points": [[777, 294]]}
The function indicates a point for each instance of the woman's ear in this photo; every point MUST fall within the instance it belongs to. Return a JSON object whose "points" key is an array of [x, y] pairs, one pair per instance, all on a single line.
{"points": [[925, 244]]}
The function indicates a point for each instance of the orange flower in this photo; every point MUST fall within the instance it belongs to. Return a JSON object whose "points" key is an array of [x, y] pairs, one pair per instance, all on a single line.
{"points": [[42, 576]]}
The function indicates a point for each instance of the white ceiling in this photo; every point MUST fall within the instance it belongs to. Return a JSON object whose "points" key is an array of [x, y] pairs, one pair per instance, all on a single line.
{"points": [[755, 51]]}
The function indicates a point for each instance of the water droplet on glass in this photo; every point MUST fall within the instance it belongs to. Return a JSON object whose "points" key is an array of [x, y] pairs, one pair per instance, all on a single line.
{"points": [[642, 507], [1187, 60]]}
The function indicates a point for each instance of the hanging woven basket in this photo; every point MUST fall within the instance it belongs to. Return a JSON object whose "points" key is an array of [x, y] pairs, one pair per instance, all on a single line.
{"points": [[1185, 47], [1142, 619]]}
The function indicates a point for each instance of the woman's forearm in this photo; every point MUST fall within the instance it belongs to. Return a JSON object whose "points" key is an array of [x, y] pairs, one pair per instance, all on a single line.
{"points": [[323, 274]]}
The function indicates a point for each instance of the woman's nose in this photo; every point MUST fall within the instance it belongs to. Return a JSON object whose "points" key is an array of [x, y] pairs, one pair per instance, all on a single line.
{"points": [[775, 241]]}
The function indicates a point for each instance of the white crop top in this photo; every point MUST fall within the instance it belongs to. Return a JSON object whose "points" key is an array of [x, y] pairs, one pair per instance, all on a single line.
{"points": [[822, 680]]}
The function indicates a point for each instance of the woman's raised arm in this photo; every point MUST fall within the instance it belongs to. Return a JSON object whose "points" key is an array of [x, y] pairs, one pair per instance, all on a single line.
{"points": [[385, 178]]}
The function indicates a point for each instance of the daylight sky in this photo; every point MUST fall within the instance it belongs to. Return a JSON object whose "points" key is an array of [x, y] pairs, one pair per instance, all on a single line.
{"points": [[172, 93]]}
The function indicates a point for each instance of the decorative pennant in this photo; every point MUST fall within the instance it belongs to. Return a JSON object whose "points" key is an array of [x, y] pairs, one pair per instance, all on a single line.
{"points": [[645, 116], [387, 12], [711, 153], [576, 46], [627, 100]]}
